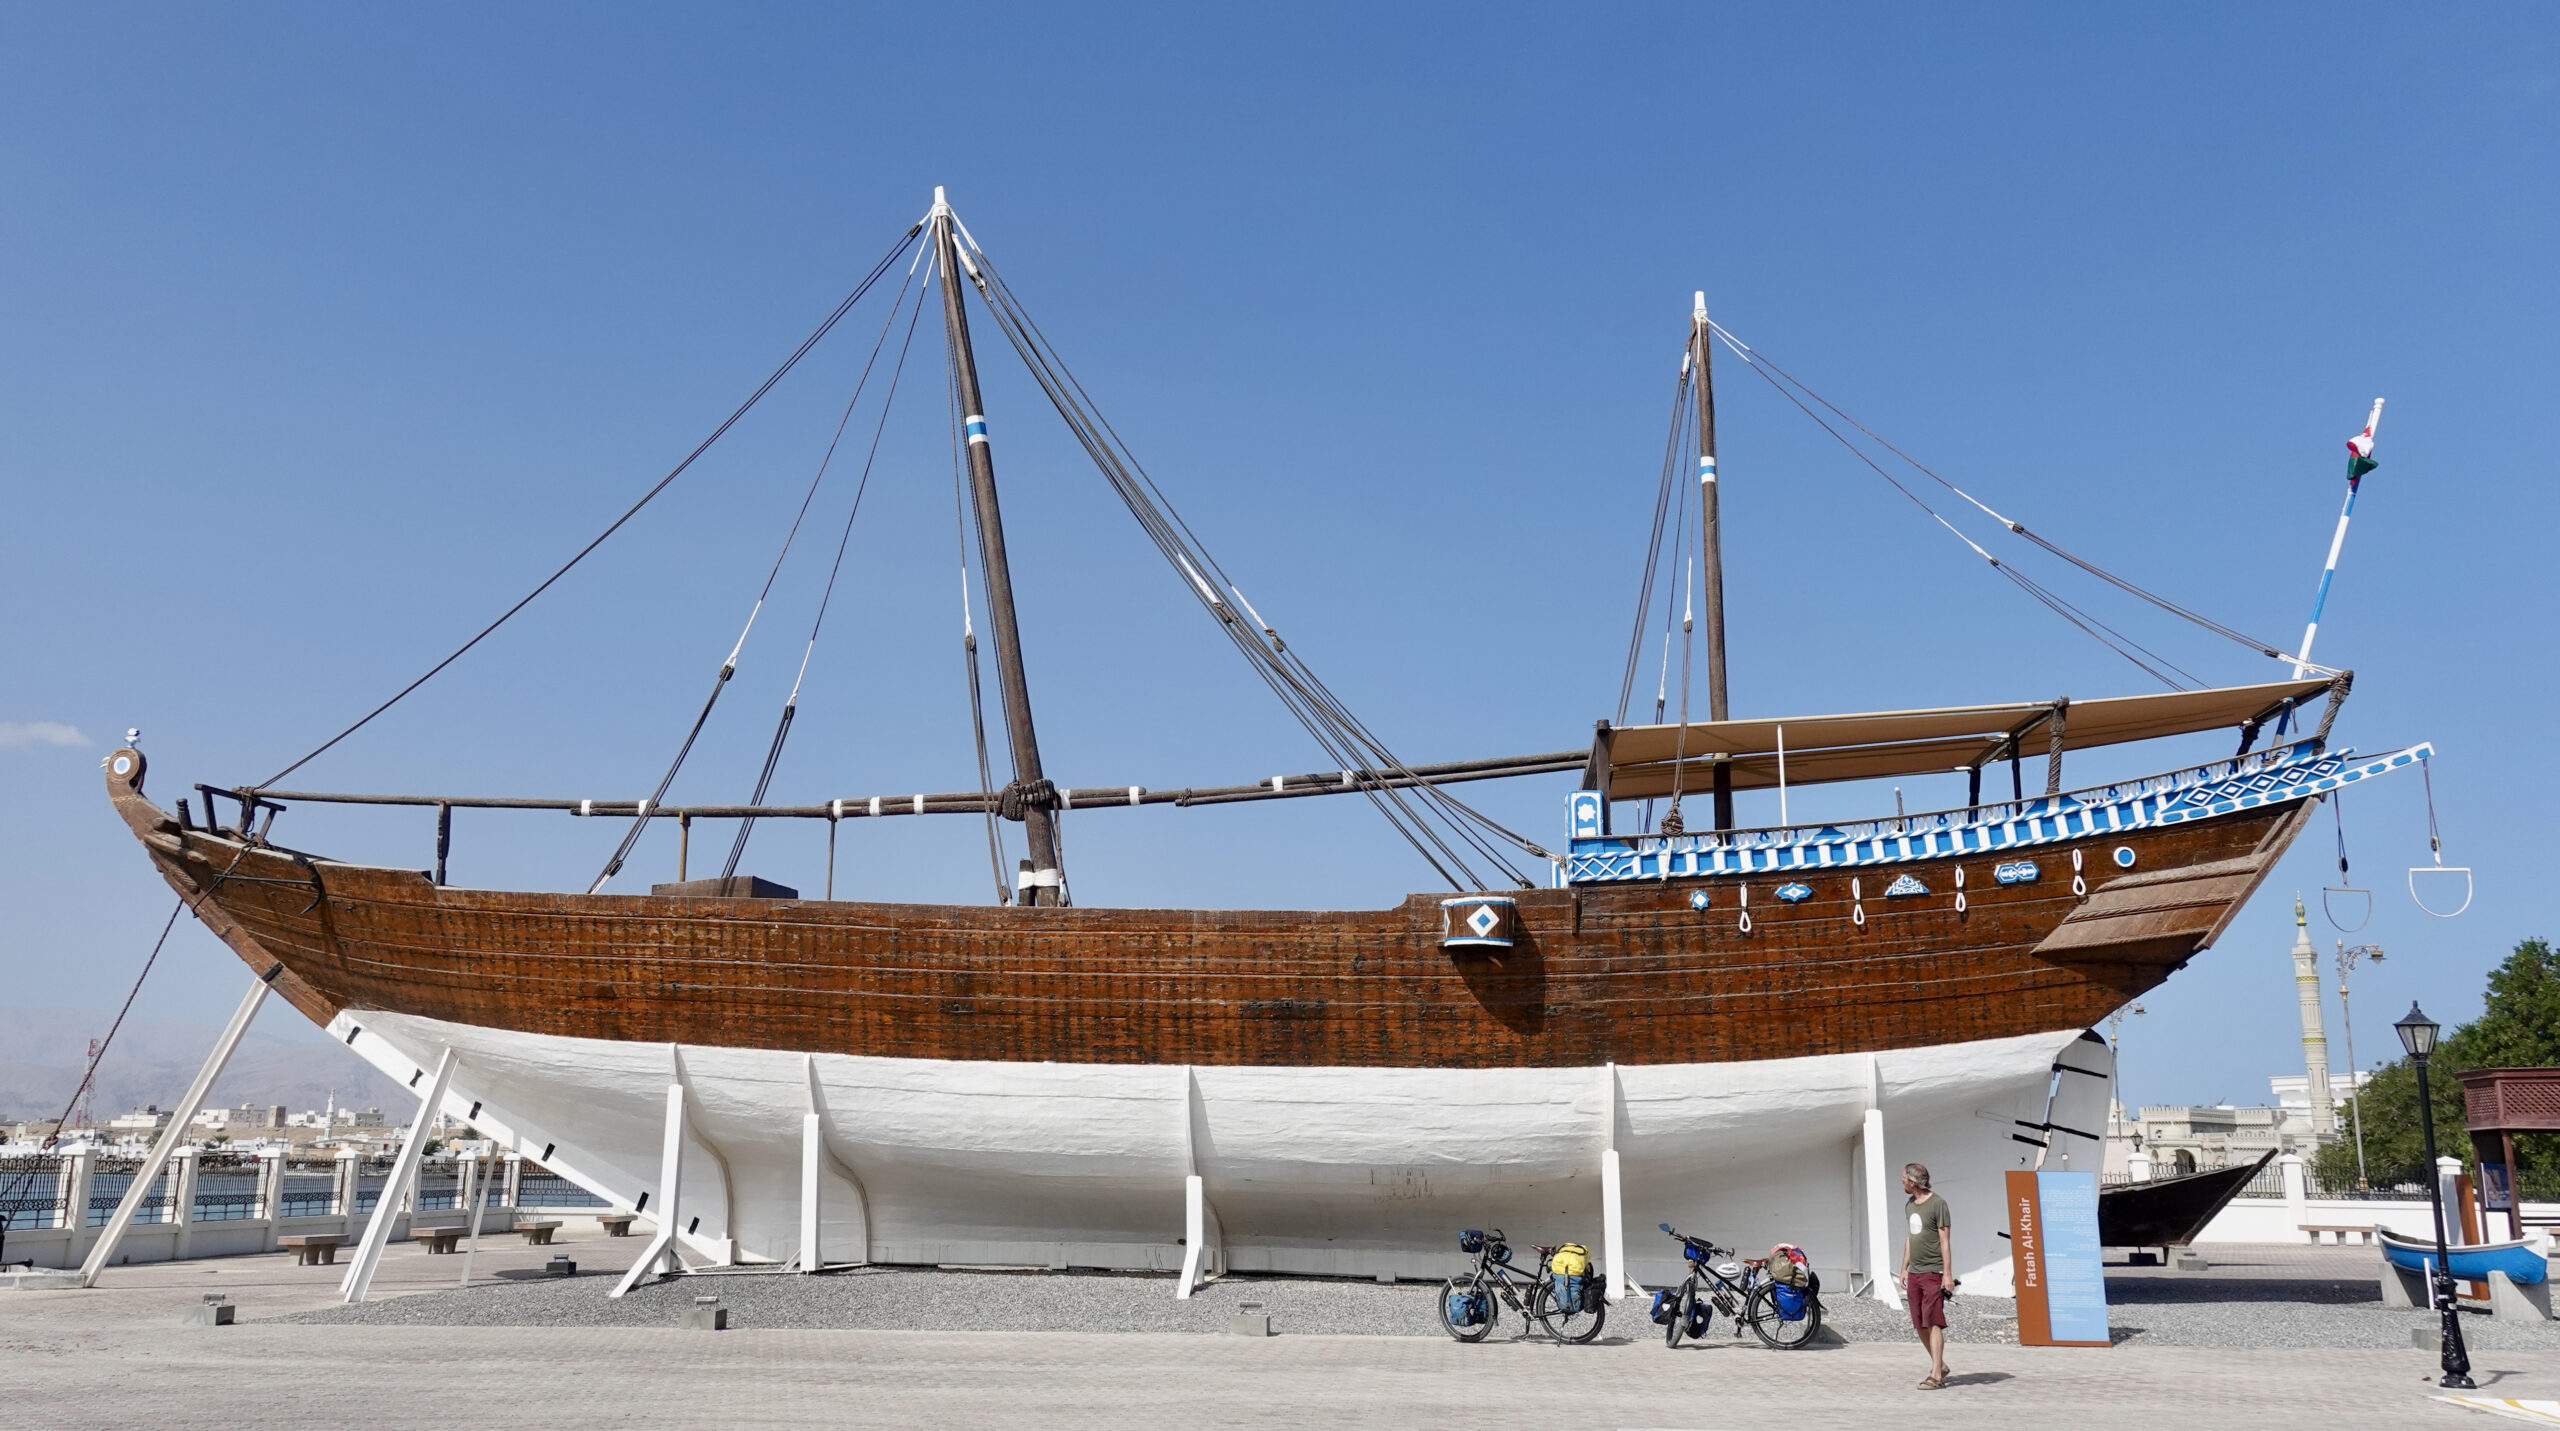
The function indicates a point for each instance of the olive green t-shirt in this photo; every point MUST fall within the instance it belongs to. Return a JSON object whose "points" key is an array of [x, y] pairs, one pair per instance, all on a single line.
{"points": [[1926, 1214]]}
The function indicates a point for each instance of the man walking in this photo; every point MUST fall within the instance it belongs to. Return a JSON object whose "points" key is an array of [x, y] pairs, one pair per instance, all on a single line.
{"points": [[1925, 1259]]}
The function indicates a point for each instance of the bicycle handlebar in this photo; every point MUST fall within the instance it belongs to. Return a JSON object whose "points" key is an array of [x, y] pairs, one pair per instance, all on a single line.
{"points": [[1709, 1248]]}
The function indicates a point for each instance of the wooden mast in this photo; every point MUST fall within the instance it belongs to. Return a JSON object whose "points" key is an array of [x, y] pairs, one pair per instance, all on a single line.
{"points": [[1711, 569], [1038, 829]]}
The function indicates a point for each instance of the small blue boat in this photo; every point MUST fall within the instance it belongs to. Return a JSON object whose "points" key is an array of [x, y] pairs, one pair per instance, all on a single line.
{"points": [[2522, 1261]]}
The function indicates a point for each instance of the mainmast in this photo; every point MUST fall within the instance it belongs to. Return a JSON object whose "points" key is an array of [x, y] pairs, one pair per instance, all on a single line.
{"points": [[1029, 792], [1711, 568]]}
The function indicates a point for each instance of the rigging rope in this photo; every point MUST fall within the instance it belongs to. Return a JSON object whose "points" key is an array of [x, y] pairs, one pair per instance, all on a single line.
{"points": [[1292, 679], [1752, 356], [728, 668], [791, 703], [1662, 500], [2088, 624], [1317, 709], [645, 498], [1670, 514], [1178, 544], [89, 1075]]}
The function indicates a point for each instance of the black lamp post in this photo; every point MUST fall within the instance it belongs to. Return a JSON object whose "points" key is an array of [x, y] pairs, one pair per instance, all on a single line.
{"points": [[2418, 1036]]}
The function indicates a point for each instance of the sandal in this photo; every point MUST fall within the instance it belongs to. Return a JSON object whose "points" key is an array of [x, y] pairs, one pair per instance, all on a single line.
{"points": [[1932, 1382]]}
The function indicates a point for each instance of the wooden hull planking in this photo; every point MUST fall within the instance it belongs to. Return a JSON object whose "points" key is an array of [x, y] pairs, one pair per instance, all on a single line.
{"points": [[1626, 973]]}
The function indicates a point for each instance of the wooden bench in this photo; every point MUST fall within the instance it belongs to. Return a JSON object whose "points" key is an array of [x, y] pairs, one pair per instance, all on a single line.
{"points": [[439, 1239], [2363, 1231], [537, 1234], [615, 1224], [312, 1249]]}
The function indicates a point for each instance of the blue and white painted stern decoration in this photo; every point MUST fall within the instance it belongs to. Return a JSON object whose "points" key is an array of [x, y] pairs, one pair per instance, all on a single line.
{"points": [[1908, 884], [2015, 872], [1698, 899], [1795, 893], [1585, 814], [1478, 921], [2267, 777]]}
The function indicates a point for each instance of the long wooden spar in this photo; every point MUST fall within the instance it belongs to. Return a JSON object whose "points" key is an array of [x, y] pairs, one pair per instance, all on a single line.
{"points": [[973, 802]]}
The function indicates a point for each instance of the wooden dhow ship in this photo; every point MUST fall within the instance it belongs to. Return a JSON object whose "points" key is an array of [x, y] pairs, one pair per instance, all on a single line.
{"points": [[1737, 1029]]}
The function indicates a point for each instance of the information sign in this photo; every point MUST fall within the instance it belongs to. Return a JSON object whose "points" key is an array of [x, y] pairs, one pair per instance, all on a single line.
{"points": [[2053, 1254]]}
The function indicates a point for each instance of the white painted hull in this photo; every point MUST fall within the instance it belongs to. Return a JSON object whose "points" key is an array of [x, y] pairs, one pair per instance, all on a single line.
{"points": [[1343, 1171]]}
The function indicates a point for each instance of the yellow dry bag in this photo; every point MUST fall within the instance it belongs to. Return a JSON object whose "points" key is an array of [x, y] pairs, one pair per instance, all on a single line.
{"points": [[1571, 1260]]}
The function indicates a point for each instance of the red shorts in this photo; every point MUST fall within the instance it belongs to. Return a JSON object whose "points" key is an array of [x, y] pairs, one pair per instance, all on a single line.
{"points": [[1926, 1293]]}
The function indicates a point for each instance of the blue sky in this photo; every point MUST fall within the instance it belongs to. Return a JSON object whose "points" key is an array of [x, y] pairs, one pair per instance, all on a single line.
{"points": [[327, 334]]}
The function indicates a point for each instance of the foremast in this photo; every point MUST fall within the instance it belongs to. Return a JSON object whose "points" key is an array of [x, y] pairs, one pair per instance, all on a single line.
{"points": [[1030, 792]]}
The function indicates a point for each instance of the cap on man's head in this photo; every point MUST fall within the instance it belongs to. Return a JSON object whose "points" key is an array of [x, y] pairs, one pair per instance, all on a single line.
{"points": [[1916, 1174]]}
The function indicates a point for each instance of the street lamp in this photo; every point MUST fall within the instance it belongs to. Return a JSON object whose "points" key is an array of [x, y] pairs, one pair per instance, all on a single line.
{"points": [[2347, 1019], [2418, 1036]]}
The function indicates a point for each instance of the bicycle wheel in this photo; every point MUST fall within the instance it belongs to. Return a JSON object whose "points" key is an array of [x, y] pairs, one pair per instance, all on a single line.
{"points": [[1771, 1325], [1680, 1301], [1566, 1324], [1473, 1287]]}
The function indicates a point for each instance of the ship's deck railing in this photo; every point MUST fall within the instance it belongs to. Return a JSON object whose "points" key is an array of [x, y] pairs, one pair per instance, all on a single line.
{"points": [[1991, 813]]}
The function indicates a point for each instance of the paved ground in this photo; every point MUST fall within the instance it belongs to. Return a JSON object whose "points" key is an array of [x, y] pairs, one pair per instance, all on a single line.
{"points": [[116, 1357]]}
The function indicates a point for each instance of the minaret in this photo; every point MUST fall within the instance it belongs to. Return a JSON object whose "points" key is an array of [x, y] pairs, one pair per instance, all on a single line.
{"points": [[2315, 1042]]}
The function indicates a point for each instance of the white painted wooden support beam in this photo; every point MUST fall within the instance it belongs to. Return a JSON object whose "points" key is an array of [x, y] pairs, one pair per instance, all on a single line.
{"points": [[1882, 1262], [182, 1199], [404, 1173], [813, 1148], [1195, 1235], [1613, 1215], [670, 1214], [1203, 1240], [479, 1210], [1613, 1229], [148, 1175]]}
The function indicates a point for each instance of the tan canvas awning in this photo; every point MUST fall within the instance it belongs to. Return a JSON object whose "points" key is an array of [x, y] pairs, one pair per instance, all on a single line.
{"points": [[1639, 760]]}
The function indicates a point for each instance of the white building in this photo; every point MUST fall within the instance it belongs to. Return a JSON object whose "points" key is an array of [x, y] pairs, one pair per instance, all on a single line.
{"points": [[2189, 1139], [245, 1117]]}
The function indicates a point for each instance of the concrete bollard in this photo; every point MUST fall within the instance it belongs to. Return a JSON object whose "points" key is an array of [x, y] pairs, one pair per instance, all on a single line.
{"points": [[1249, 1321], [217, 1311], [560, 1266], [706, 1315], [2189, 1260]]}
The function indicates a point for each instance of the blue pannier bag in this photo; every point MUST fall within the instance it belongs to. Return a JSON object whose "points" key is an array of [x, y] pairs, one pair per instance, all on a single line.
{"points": [[1471, 1241], [1466, 1309], [1790, 1302], [1569, 1294], [1660, 1311]]}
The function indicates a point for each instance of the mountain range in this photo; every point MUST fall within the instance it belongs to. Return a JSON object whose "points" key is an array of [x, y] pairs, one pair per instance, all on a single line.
{"points": [[42, 1053]]}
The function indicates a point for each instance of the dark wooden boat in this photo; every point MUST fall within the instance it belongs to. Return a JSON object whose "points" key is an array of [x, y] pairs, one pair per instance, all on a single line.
{"points": [[1730, 1025], [2170, 1211]]}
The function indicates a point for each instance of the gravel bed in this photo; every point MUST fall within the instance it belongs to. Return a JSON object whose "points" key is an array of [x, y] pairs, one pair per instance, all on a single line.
{"points": [[2196, 1311], [919, 1299]]}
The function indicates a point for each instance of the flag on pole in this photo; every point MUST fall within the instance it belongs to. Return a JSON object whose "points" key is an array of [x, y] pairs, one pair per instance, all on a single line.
{"points": [[2360, 447]]}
